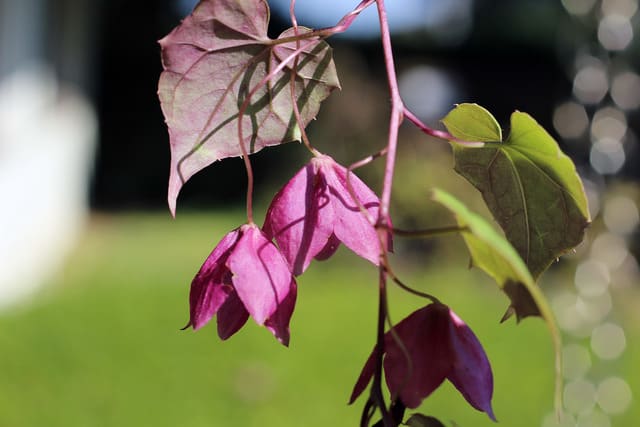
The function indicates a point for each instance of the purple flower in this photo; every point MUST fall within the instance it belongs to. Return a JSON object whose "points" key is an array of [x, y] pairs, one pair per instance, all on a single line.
{"points": [[314, 212], [440, 346], [245, 274]]}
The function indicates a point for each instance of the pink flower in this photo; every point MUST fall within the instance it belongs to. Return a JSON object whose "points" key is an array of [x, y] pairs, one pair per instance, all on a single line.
{"points": [[245, 274], [440, 346], [314, 212]]}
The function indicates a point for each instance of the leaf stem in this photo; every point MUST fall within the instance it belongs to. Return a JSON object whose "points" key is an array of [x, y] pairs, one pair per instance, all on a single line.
{"points": [[342, 25], [292, 84], [397, 111], [426, 129], [376, 388], [441, 134], [241, 111], [396, 117]]}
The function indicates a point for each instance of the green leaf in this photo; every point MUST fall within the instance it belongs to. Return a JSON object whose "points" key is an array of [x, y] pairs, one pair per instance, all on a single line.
{"points": [[212, 62], [471, 122], [493, 254], [530, 186]]}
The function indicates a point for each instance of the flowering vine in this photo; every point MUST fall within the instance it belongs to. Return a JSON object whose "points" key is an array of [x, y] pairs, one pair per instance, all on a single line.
{"points": [[228, 90]]}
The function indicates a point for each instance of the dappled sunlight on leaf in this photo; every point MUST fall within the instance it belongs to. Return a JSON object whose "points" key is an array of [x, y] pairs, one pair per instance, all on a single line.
{"points": [[212, 62]]}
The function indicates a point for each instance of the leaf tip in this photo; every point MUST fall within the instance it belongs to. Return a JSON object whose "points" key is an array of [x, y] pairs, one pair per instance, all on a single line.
{"points": [[172, 202]]}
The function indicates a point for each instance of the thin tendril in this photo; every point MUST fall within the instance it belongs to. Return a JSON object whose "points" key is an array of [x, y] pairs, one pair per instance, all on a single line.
{"points": [[352, 192], [409, 289]]}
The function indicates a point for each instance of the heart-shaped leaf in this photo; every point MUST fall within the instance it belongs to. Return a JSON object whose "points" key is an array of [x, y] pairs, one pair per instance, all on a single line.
{"points": [[212, 61], [473, 123], [493, 254], [530, 186]]}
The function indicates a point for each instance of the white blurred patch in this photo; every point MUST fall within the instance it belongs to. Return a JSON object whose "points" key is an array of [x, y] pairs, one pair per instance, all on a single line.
{"points": [[615, 32], [428, 92], [47, 140]]}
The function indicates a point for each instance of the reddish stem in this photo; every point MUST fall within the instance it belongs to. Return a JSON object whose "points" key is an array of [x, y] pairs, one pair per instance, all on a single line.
{"points": [[397, 111], [426, 129]]}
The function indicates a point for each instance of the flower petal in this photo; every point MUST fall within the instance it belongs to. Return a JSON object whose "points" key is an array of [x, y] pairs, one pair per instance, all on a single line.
{"points": [[364, 378], [471, 373], [261, 275], [294, 220], [231, 316], [423, 337], [211, 285], [350, 226], [278, 323], [329, 249]]}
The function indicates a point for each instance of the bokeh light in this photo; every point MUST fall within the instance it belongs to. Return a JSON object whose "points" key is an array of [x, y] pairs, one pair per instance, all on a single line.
{"points": [[609, 249], [608, 341], [614, 395], [625, 90], [591, 83], [626, 8], [621, 215], [607, 156], [578, 7], [576, 361], [608, 122], [615, 32], [592, 278], [570, 120], [593, 418], [579, 396]]}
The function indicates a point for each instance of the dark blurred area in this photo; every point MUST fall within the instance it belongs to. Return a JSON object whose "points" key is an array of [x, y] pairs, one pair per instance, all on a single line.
{"points": [[514, 55]]}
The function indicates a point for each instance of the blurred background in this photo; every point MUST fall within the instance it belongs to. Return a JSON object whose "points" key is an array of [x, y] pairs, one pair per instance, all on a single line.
{"points": [[94, 274]]}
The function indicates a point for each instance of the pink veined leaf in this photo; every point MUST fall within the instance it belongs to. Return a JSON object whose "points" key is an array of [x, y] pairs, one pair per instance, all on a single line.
{"points": [[212, 61]]}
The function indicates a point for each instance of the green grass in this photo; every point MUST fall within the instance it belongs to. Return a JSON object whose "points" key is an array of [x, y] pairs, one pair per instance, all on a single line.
{"points": [[101, 345]]}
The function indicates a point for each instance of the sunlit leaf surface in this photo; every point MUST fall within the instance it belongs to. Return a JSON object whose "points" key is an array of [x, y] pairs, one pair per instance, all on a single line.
{"points": [[530, 186], [212, 62]]}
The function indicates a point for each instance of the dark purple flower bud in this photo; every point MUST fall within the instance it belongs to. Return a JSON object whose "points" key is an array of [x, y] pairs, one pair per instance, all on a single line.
{"points": [[439, 345]]}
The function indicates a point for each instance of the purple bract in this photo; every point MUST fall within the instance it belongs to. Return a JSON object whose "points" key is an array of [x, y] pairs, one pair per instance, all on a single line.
{"points": [[314, 212], [244, 275], [440, 346]]}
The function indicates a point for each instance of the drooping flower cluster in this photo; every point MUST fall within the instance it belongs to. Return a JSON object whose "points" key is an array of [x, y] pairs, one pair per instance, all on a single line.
{"points": [[246, 274], [430, 345]]}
